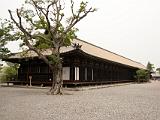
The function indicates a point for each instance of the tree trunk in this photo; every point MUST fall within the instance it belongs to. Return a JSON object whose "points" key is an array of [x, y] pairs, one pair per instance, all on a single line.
{"points": [[57, 80]]}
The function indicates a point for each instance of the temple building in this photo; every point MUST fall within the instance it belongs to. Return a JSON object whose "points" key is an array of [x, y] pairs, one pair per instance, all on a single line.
{"points": [[83, 63]]}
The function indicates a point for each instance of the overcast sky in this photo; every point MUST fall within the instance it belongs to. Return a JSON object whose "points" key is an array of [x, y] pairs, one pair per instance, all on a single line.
{"points": [[128, 27]]}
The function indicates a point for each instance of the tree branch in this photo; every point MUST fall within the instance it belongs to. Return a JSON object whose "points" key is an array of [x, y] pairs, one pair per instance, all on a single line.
{"points": [[19, 25], [58, 15], [43, 57], [44, 11], [76, 19], [72, 8]]}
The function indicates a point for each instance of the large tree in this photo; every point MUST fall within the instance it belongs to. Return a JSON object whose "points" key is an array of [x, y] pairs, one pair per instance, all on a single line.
{"points": [[42, 24]]}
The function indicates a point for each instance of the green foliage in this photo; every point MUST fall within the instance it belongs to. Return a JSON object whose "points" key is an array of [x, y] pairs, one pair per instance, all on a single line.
{"points": [[41, 24], [53, 59], [150, 67], [83, 6], [29, 22], [43, 41], [158, 69], [3, 35], [142, 75], [9, 73], [69, 36]]}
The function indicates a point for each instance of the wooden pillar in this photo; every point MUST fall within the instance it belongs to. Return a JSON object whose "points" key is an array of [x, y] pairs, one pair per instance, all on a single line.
{"points": [[28, 70], [92, 74], [72, 73], [95, 72], [118, 73], [111, 74], [106, 73]]}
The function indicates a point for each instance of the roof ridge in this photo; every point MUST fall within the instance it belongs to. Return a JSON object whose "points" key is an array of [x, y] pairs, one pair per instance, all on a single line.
{"points": [[107, 50]]}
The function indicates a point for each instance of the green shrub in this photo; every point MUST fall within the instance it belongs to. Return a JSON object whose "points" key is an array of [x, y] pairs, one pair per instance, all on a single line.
{"points": [[8, 73], [142, 75]]}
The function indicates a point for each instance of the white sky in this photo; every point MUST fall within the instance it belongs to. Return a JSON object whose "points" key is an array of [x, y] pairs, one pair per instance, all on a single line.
{"points": [[128, 27]]}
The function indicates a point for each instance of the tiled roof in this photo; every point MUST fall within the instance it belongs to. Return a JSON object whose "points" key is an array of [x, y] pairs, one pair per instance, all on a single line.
{"points": [[89, 49], [108, 55]]}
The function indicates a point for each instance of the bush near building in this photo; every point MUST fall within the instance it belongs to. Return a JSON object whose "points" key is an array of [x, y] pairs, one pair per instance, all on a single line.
{"points": [[142, 75], [8, 73]]}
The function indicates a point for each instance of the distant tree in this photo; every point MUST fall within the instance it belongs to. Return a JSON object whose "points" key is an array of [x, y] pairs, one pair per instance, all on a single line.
{"points": [[150, 67], [142, 75], [158, 69], [9, 72], [42, 24]]}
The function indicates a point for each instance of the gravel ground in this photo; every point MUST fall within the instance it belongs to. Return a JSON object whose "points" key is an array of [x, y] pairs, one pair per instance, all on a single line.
{"points": [[129, 102]]}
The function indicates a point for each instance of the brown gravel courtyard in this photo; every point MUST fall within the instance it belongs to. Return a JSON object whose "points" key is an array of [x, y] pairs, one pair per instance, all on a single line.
{"points": [[129, 102]]}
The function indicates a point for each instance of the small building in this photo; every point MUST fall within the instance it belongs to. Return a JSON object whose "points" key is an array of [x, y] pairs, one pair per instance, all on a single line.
{"points": [[155, 76], [83, 63]]}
